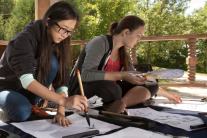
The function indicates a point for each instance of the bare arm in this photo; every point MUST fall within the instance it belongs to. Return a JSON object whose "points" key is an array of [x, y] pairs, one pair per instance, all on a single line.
{"points": [[134, 72], [113, 76], [60, 116], [78, 102], [170, 96], [61, 109]]}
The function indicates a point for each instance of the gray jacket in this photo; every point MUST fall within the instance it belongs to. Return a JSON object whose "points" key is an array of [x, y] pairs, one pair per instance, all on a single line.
{"points": [[93, 59]]}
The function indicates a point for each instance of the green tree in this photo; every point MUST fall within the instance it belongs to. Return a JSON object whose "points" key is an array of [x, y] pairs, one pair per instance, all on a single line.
{"points": [[198, 25], [162, 17], [1, 27], [6, 6], [96, 16], [22, 13]]}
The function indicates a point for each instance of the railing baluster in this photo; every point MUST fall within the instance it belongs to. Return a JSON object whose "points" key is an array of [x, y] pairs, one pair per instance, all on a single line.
{"points": [[133, 55], [191, 60]]}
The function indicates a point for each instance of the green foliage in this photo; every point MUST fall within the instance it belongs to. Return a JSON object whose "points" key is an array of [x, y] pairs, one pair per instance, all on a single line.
{"points": [[197, 23], [162, 17], [96, 16], [1, 27], [6, 6], [23, 13]]}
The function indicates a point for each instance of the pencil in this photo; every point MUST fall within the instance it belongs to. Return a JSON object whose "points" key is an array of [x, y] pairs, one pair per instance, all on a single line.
{"points": [[82, 93], [81, 86], [80, 82]]}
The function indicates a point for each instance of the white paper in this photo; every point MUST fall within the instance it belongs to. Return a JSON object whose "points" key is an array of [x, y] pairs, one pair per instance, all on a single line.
{"points": [[132, 132], [45, 128], [175, 120], [185, 105], [95, 101]]}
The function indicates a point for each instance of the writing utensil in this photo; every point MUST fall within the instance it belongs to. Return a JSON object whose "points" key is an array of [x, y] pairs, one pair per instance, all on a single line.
{"points": [[198, 126], [82, 93], [126, 116], [137, 75]]}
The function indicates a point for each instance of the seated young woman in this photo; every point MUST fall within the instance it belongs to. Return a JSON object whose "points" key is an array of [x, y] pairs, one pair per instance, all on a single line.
{"points": [[105, 68], [35, 58]]}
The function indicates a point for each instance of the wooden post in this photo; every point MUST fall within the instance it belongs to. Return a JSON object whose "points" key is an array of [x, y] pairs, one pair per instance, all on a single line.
{"points": [[133, 55], [41, 6], [191, 60]]}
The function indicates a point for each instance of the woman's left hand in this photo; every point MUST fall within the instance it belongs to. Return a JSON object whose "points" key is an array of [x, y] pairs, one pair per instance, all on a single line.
{"points": [[62, 120], [173, 97]]}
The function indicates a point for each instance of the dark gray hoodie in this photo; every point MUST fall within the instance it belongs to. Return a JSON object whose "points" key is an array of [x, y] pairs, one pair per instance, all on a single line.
{"points": [[20, 56]]}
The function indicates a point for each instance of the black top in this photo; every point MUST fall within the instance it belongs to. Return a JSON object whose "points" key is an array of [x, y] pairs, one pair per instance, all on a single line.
{"points": [[21, 55]]}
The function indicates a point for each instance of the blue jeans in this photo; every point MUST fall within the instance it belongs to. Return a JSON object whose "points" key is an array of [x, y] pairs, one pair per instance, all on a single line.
{"points": [[16, 103]]}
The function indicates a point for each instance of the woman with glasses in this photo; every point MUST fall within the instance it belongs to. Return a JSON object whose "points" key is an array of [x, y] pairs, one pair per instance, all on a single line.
{"points": [[36, 58], [105, 68]]}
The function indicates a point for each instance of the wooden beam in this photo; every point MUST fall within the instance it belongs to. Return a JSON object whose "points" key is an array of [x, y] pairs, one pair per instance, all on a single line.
{"points": [[143, 39], [41, 6], [53, 1], [173, 37], [2, 42], [182, 84], [6, 16], [79, 42]]}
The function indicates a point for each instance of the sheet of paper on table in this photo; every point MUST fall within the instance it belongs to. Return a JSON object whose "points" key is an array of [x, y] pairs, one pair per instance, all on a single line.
{"points": [[175, 120], [132, 132], [45, 128], [185, 105]]}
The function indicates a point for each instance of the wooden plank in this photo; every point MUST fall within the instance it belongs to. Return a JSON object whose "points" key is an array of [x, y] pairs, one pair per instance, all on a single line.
{"points": [[143, 39], [79, 42], [6, 16], [41, 6], [182, 84], [173, 37], [53, 1], [154, 38], [2, 42]]}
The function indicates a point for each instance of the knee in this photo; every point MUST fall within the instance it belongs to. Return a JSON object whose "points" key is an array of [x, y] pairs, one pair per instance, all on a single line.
{"points": [[20, 113], [113, 92], [154, 89], [54, 64]]}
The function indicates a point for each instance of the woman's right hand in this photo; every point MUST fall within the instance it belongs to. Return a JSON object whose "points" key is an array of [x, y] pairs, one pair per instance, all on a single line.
{"points": [[134, 79], [76, 102]]}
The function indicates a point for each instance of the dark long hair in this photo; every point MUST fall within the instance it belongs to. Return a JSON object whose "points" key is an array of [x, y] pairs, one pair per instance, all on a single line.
{"points": [[130, 22], [57, 12]]}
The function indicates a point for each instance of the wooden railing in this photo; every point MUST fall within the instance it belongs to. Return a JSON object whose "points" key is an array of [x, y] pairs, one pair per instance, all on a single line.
{"points": [[191, 60]]}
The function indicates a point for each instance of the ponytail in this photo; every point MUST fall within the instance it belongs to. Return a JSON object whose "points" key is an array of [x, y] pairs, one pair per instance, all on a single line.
{"points": [[112, 28]]}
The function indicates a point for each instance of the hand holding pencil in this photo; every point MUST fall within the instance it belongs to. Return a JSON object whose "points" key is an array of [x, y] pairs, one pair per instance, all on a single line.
{"points": [[79, 102]]}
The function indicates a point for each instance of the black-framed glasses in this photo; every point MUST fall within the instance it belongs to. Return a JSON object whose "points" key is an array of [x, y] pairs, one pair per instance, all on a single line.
{"points": [[63, 30]]}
